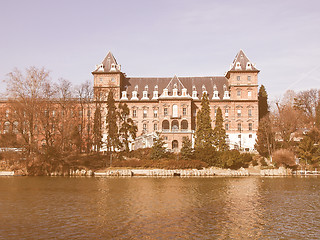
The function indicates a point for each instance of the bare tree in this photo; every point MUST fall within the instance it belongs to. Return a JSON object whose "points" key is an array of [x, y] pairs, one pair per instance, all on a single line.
{"points": [[26, 92]]}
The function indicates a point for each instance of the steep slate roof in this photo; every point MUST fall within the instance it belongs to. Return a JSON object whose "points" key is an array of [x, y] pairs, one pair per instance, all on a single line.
{"points": [[187, 82], [243, 60], [107, 61]]}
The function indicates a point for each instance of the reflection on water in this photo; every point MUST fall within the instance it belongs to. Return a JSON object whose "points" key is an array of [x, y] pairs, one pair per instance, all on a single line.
{"points": [[159, 208]]}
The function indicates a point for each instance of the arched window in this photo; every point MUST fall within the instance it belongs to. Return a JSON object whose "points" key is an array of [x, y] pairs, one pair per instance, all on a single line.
{"points": [[175, 144], [165, 125], [175, 110], [184, 125], [175, 125]]}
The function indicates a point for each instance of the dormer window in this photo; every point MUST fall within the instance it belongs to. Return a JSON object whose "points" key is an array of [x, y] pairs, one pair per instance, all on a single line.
{"points": [[100, 68], [215, 92], [225, 92], [248, 67], [238, 66], [124, 95], [175, 92], [194, 88], [165, 92], [113, 67], [155, 92], [175, 85], [135, 94], [136, 88], [194, 93], [204, 90], [145, 95], [184, 92], [146, 88]]}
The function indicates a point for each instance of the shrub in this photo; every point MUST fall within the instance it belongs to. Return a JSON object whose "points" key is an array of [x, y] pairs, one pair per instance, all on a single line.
{"points": [[233, 159], [284, 157]]}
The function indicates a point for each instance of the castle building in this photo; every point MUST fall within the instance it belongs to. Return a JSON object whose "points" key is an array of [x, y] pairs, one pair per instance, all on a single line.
{"points": [[169, 105]]}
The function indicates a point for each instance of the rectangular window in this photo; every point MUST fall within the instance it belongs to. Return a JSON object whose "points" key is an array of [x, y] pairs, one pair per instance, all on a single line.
{"points": [[239, 126], [155, 113], [239, 93], [165, 138], [184, 111], [250, 126], [226, 113], [239, 112], [226, 126], [134, 113], [249, 78], [145, 111], [238, 78], [249, 93], [165, 111], [155, 127], [144, 127], [215, 112], [249, 112], [250, 135]]}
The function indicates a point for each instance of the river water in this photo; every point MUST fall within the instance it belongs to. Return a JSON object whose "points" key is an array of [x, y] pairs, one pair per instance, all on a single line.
{"points": [[160, 208]]}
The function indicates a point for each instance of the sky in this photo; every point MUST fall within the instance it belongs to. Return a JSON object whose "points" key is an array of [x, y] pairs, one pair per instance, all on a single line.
{"points": [[164, 38]]}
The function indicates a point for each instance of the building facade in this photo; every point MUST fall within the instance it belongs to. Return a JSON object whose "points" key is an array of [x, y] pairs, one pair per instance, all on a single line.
{"points": [[169, 105]]}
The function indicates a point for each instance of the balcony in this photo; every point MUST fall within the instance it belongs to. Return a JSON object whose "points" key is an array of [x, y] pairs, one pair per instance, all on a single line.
{"points": [[175, 117]]}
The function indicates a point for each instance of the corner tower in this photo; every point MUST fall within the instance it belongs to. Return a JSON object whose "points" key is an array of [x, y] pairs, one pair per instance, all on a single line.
{"points": [[107, 76], [243, 78]]}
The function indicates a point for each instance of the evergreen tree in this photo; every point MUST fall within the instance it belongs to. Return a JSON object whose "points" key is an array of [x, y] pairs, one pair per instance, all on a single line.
{"points": [[265, 142], [204, 130], [127, 127], [97, 132], [76, 138], [186, 149], [309, 151], [263, 102], [219, 133], [111, 124], [158, 150]]}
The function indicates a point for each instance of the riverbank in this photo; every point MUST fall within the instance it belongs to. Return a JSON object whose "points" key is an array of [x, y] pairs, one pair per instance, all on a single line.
{"points": [[194, 172], [118, 172]]}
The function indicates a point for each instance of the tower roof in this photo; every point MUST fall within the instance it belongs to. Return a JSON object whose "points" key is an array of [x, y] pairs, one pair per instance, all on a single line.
{"points": [[109, 64], [242, 63]]}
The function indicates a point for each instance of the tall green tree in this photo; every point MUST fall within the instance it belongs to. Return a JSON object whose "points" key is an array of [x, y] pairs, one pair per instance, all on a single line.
{"points": [[265, 143], [309, 151], [204, 132], [113, 141], [128, 130], [263, 102], [97, 129], [186, 149], [219, 133], [158, 150]]}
